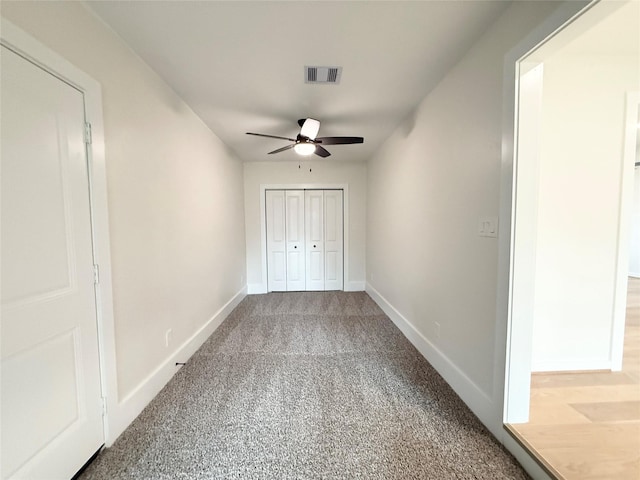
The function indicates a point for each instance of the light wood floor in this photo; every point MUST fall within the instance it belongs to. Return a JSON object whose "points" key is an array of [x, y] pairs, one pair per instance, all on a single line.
{"points": [[586, 426]]}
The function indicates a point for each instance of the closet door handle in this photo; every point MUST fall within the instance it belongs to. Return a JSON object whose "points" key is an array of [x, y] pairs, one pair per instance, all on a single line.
{"points": [[314, 246], [295, 246]]}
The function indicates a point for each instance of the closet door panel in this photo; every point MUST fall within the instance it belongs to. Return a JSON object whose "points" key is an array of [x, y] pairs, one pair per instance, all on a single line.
{"points": [[276, 245], [314, 227], [294, 216], [333, 240]]}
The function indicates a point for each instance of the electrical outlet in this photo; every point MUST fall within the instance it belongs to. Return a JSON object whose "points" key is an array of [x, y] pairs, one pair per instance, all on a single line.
{"points": [[167, 337], [488, 226]]}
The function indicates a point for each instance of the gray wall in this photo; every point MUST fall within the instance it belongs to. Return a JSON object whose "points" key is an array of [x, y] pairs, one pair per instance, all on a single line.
{"points": [[433, 180]]}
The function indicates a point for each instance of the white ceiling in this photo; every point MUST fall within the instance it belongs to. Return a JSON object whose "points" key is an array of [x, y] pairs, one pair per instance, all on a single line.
{"points": [[240, 64]]}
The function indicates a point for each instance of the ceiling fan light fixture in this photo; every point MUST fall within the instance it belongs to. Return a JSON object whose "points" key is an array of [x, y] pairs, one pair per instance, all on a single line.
{"points": [[306, 143], [304, 149]]}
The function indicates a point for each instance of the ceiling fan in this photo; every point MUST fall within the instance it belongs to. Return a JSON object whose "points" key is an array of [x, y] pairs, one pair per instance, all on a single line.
{"points": [[307, 143]]}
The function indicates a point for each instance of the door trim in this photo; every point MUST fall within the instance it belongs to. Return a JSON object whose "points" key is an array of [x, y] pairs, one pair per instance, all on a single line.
{"points": [[518, 326], [506, 340], [262, 287], [624, 229], [32, 50]]}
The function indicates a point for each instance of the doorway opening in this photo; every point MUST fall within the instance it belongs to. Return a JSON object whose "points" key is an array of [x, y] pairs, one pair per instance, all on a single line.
{"points": [[571, 384]]}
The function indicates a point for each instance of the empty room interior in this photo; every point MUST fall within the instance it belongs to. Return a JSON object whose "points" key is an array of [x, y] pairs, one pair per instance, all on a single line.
{"points": [[199, 204]]}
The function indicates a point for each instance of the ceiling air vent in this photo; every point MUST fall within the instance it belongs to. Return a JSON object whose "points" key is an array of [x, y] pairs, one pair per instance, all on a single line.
{"points": [[327, 75]]}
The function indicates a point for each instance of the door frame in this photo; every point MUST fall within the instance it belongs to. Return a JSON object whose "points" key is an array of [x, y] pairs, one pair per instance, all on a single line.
{"points": [[519, 324], [632, 109], [32, 50], [303, 186]]}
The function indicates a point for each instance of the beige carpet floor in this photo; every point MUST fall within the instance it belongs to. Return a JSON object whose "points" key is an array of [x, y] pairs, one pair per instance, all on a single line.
{"points": [[306, 386]]}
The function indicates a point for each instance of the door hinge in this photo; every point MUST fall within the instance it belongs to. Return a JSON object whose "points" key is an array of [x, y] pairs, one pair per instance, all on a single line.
{"points": [[104, 406], [87, 133], [96, 274]]}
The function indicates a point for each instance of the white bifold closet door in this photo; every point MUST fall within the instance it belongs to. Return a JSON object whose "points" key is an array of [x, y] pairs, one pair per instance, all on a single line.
{"points": [[304, 240], [285, 240]]}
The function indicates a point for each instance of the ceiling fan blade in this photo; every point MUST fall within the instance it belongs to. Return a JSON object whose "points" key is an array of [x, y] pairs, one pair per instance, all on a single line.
{"points": [[339, 140], [271, 136], [310, 128], [321, 151], [288, 147]]}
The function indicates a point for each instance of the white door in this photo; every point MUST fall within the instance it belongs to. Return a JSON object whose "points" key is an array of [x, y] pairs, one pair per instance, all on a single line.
{"points": [[294, 214], [50, 388], [333, 240], [314, 227], [276, 244]]}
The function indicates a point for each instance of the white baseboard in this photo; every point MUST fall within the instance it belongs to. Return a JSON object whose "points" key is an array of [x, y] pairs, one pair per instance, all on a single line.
{"points": [[634, 274], [354, 286], [125, 412], [570, 365], [475, 398], [256, 288]]}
